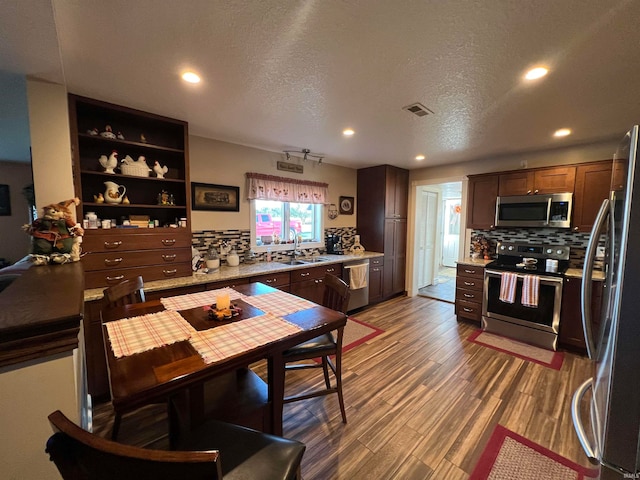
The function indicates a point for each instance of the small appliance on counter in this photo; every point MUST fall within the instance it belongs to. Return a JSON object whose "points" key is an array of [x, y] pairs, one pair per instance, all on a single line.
{"points": [[334, 244]]}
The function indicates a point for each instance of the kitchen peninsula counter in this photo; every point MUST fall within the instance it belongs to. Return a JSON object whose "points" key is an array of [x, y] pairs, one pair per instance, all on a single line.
{"points": [[225, 273]]}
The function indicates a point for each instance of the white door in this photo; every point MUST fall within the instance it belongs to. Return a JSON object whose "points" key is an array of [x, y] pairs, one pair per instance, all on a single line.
{"points": [[426, 228], [451, 232]]}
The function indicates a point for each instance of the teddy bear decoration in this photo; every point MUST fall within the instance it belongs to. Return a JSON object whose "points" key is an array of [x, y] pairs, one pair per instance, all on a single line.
{"points": [[55, 235]]}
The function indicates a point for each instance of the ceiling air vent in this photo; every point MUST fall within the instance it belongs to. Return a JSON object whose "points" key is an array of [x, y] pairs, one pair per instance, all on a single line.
{"points": [[418, 109]]}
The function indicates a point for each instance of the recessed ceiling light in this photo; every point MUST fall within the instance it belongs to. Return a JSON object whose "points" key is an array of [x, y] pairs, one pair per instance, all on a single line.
{"points": [[536, 73], [348, 132], [191, 77], [563, 132], [419, 157]]}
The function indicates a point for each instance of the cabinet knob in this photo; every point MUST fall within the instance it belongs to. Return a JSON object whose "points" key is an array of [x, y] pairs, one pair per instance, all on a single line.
{"points": [[470, 284], [528, 192], [536, 192], [305, 274], [469, 271], [170, 272], [575, 229], [468, 310], [271, 280], [329, 270], [115, 279], [169, 258], [112, 261], [168, 241], [115, 244], [469, 295]]}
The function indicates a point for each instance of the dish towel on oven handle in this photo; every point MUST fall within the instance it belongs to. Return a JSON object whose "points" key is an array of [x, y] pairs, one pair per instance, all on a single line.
{"points": [[508, 282], [530, 288], [358, 276]]}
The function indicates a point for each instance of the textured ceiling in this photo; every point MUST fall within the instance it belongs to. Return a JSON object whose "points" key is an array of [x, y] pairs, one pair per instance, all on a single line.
{"points": [[293, 74]]}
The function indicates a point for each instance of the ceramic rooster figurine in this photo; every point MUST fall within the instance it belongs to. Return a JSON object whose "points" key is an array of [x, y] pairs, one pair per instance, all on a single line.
{"points": [[109, 163], [160, 171]]}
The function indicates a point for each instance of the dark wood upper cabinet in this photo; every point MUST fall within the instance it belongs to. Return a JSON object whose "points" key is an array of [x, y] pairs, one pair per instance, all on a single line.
{"points": [[554, 180], [517, 183], [593, 182], [481, 205], [539, 180]]}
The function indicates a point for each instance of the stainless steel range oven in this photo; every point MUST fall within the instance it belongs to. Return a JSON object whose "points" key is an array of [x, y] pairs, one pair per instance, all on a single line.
{"points": [[537, 325]]}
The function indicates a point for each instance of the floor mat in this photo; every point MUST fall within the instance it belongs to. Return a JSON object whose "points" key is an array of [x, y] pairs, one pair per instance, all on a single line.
{"points": [[548, 358], [509, 456]]}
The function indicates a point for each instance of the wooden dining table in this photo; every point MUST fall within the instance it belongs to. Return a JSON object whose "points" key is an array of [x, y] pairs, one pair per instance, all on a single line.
{"points": [[158, 374]]}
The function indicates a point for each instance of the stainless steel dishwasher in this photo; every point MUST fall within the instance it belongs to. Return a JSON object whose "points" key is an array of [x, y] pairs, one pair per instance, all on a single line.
{"points": [[359, 297]]}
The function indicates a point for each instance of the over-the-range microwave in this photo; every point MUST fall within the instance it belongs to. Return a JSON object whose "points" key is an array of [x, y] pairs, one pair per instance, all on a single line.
{"points": [[546, 210]]}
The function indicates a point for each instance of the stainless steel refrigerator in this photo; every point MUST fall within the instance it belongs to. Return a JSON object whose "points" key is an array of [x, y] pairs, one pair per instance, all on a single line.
{"points": [[609, 433]]}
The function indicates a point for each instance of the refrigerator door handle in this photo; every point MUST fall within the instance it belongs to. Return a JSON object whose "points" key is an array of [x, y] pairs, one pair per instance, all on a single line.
{"points": [[577, 420], [590, 255]]}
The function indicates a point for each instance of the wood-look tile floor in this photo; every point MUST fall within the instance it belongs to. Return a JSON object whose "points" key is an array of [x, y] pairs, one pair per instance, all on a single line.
{"points": [[421, 401]]}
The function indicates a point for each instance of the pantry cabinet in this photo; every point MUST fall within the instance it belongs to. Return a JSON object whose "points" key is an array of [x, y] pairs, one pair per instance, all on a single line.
{"points": [[116, 144], [382, 223]]}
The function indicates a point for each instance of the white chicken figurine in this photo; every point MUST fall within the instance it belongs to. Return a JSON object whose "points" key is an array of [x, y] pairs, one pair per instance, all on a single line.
{"points": [[109, 163], [141, 162], [160, 171]]}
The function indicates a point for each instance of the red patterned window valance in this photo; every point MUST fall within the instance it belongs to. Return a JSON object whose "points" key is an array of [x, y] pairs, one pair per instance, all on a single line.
{"points": [[269, 187]]}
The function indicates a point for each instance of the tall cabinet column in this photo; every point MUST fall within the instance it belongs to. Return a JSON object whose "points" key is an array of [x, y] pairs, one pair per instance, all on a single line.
{"points": [[383, 195]]}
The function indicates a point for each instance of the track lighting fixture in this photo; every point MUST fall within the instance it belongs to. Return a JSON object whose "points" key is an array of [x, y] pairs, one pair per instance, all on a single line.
{"points": [[305, 153]]}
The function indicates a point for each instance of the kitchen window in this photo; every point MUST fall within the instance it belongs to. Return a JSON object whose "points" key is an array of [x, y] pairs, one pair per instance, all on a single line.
{"points": [[284, 210], [278, 223]]}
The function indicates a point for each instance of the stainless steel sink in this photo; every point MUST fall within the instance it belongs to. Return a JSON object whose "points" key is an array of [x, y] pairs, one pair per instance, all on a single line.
{"points": [[293, 262], [315, 260]]}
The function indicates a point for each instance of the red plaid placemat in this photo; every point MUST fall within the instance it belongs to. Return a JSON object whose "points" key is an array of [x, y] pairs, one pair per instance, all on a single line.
{"points": [[279, 303], [139, 334], [200, 299], [225, 341]]}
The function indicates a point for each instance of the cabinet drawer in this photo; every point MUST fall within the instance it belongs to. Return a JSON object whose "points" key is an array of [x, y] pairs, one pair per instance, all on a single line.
{"points": [[123, 241], [313, 273], [274, 279], [470, 271], [107, 278], [470, 310], [470, 283], [467, 295], [376, 262], [106, 261]]}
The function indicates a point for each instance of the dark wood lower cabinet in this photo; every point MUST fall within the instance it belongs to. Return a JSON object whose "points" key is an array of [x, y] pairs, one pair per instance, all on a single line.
{"points": [[571, 334], [469, 285], [376, 274]]}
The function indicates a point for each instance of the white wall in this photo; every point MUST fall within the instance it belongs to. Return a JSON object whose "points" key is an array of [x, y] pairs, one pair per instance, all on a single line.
{"points": [[50, 142], [222, 163], [29, 392]]}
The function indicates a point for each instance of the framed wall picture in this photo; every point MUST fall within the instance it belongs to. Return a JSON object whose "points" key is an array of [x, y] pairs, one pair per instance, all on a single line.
{"points": [[346, 205], [219, 198], [5, 201]]}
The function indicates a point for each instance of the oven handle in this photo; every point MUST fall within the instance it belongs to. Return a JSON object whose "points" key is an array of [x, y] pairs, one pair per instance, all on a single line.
{"points": [[587, 276], [522, 275]]}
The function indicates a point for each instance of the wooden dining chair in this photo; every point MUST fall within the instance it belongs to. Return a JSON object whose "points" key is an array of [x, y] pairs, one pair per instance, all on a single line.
{"points": [[124, 293], [216, 450], [336, 296]]}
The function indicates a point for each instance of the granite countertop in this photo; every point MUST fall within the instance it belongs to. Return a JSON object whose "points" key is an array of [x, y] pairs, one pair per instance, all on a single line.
{"points": [[230, 273], [474, 261], [577, 273]]}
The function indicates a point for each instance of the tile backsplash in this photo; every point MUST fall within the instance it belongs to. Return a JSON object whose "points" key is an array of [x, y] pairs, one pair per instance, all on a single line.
{"points": [[241, 241], [548, 236]]}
